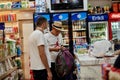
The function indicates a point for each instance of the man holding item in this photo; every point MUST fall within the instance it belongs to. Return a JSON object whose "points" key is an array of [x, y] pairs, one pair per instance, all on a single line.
{"points": [[54, 39]]}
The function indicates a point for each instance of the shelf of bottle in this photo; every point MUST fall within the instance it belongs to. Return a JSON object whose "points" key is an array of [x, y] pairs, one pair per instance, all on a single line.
{"points": [[114, 38], [10, 33], [4, 58], [114, 35], [91, 32], [21, 9], [10, 0], [80, 37], [97, 39], [8, 21], [79, 30], [114, 30], [7, 73]]}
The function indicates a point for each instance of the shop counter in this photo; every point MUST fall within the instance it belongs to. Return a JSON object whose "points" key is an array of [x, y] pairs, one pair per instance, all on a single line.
{"points": [[91, 66]]}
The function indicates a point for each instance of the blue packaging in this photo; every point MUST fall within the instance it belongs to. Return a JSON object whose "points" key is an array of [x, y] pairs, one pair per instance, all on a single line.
{"points": [[16, 5]]}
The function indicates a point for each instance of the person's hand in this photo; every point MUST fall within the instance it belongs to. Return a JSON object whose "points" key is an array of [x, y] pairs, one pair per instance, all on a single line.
{"points": [[58, 48], [62, 47], [49, 77]]}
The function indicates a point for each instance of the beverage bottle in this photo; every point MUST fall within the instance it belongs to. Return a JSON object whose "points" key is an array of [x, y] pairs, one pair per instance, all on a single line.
{"points": [[78, 69]]}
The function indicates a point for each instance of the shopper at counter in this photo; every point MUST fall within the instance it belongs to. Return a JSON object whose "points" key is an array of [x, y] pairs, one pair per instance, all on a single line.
{"points": [[40, 61], [54, 39]]}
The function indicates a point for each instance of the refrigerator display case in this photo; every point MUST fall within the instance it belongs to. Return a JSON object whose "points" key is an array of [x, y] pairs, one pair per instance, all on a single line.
{"points": [[79, 29], [114, 24], [98, 27]]}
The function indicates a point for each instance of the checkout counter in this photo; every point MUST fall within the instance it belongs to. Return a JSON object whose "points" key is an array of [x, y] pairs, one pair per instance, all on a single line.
{"points": [[90, 66]]}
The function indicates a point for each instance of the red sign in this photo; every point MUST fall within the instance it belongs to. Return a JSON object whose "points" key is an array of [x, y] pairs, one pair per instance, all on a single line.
{"points": [[114, 16]]}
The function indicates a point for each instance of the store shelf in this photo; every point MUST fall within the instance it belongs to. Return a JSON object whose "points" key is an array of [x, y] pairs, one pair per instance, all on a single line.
{"points": [[7, 73], [97, 39], [8, 21], [79, 29], [97, 31], [3, 59], [10, 0], [21, 10], [80, 37]]}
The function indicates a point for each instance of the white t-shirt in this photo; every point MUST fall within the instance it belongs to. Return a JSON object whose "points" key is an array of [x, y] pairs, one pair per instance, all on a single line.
{"points": [[52, 39], [36, 39]]}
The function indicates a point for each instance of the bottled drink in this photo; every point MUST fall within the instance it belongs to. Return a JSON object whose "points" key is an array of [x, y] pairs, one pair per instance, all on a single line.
{"points": [[78, 70]]}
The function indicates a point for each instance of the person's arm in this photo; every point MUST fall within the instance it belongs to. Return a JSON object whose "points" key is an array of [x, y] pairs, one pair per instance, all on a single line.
{"points": [[44, 59], [56, 49]]}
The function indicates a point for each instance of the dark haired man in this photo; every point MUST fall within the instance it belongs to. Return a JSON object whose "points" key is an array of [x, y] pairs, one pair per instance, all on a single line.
{"points": [[39, 52]]}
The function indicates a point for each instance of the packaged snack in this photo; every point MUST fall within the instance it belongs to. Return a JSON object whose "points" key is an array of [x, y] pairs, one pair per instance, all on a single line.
{"points": [[16, 5]]}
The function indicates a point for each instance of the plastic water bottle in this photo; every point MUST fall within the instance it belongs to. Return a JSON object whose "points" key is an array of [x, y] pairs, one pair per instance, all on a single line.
{"points": [[78, 70]]}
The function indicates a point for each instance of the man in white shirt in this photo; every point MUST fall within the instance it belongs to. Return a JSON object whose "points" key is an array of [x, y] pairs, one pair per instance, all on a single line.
{"points": [[40, 61], [54, 39]]}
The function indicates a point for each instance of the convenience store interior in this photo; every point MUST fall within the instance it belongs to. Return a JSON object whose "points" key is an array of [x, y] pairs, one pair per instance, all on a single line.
{"points": [[85, 22]]}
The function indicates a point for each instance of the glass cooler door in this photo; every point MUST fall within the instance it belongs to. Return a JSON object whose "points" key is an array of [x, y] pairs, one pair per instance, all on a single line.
{"points": [[79, 32], [115, 30], [98, 31]]}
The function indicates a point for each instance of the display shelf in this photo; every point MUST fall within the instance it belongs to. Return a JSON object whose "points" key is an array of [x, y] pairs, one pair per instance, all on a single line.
{"points": [[80, 37], [8, 21], [3, 59], [96, 39], [9, 0], [97, 32], [79, 30], [21, 10], [7, 73]]}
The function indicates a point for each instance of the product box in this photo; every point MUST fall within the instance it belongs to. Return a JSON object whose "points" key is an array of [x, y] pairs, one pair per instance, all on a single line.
{"points": [[24, 4], [31, 4], [8, 5], [16, 5]]}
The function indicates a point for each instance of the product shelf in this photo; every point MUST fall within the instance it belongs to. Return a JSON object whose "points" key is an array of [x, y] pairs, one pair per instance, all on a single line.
{"points": [[21, 10], [10, 0], [97, 32], [79, 30], [80, 37], [7, 73], [8, 21], [5, 58]]}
